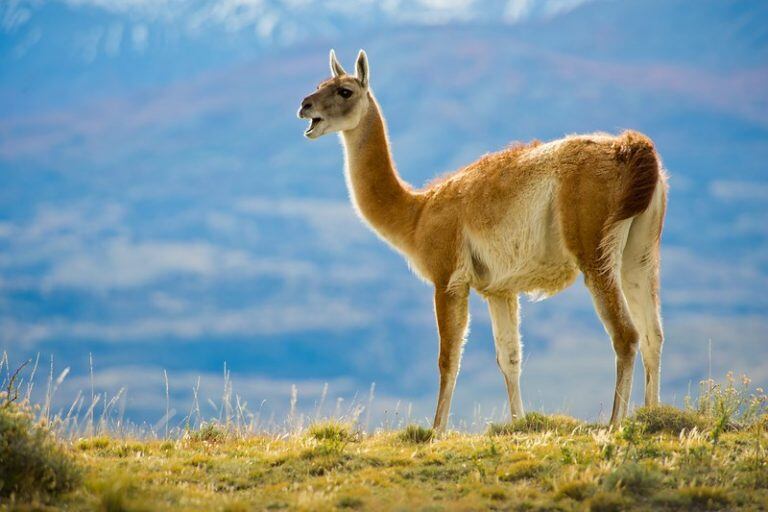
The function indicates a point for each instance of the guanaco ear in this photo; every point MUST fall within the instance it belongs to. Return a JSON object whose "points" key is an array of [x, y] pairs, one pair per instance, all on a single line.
{"points": [[362, 68], [336, 68]]}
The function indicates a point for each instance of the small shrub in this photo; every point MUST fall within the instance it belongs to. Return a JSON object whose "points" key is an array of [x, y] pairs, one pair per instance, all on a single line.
{"points": [[207, 433], [665, 418], [536, 422], [332, 432], [33, 464], [731, 406], [634, 479], [416, 434]]}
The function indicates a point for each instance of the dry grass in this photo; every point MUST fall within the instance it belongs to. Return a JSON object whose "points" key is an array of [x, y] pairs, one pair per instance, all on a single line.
{"points": [[710, 456], [325, 469]]}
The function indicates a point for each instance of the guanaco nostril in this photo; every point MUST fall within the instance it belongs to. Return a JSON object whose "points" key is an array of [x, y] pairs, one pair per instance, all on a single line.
{"points": [[306, 105]]}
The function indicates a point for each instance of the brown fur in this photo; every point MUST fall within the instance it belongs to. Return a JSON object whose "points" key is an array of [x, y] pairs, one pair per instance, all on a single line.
{"points": [[524, 219], [510, 151], [637, 153]]}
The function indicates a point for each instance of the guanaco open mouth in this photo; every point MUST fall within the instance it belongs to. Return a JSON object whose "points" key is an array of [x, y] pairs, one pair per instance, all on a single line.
{"points": [[313, 124]]}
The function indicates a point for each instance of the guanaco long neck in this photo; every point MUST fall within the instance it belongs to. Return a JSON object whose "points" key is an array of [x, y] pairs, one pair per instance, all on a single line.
{"points": [[384, 200]]}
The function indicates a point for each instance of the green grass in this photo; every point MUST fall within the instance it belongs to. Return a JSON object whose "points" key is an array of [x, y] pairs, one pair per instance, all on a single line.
{"points": [[712, 455]]}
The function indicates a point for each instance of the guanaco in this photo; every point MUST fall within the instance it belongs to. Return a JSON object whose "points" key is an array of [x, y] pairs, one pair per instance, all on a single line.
{"points": [[526, 219]]}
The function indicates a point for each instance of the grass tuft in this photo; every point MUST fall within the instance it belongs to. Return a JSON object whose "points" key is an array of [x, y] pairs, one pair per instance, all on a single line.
{"points": [[668, 419], [333, 432], [536, 422], [416, 434]]}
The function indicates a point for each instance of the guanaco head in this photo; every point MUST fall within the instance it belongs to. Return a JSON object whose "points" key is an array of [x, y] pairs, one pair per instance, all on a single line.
{"points": [[339, 103]]}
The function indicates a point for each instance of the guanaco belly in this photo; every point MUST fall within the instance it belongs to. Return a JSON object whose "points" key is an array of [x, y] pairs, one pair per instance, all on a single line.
{"points": [[522, 251]]}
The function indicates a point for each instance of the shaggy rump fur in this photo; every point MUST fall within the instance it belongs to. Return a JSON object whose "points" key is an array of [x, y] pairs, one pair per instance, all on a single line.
{"points": [[636, 151]]}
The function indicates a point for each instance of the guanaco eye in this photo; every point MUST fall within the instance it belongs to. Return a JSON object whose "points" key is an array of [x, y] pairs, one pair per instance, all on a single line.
{"points": [[345, 93]]}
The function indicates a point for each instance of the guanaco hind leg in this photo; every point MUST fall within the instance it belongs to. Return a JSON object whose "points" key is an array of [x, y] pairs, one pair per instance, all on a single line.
{"points": [[640, 282], [613, 310], [504, 321]]}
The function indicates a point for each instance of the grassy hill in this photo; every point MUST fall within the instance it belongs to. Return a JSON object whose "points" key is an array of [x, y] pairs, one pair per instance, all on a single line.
{"points": [[554, 469], [712, 457]]}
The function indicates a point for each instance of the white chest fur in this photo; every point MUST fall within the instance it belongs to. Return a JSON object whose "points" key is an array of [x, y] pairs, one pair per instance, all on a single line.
{"points": [[523, 252]]}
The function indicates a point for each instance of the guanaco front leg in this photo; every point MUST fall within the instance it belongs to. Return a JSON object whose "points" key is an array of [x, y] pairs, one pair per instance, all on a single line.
{"points": [[452, 319]]}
